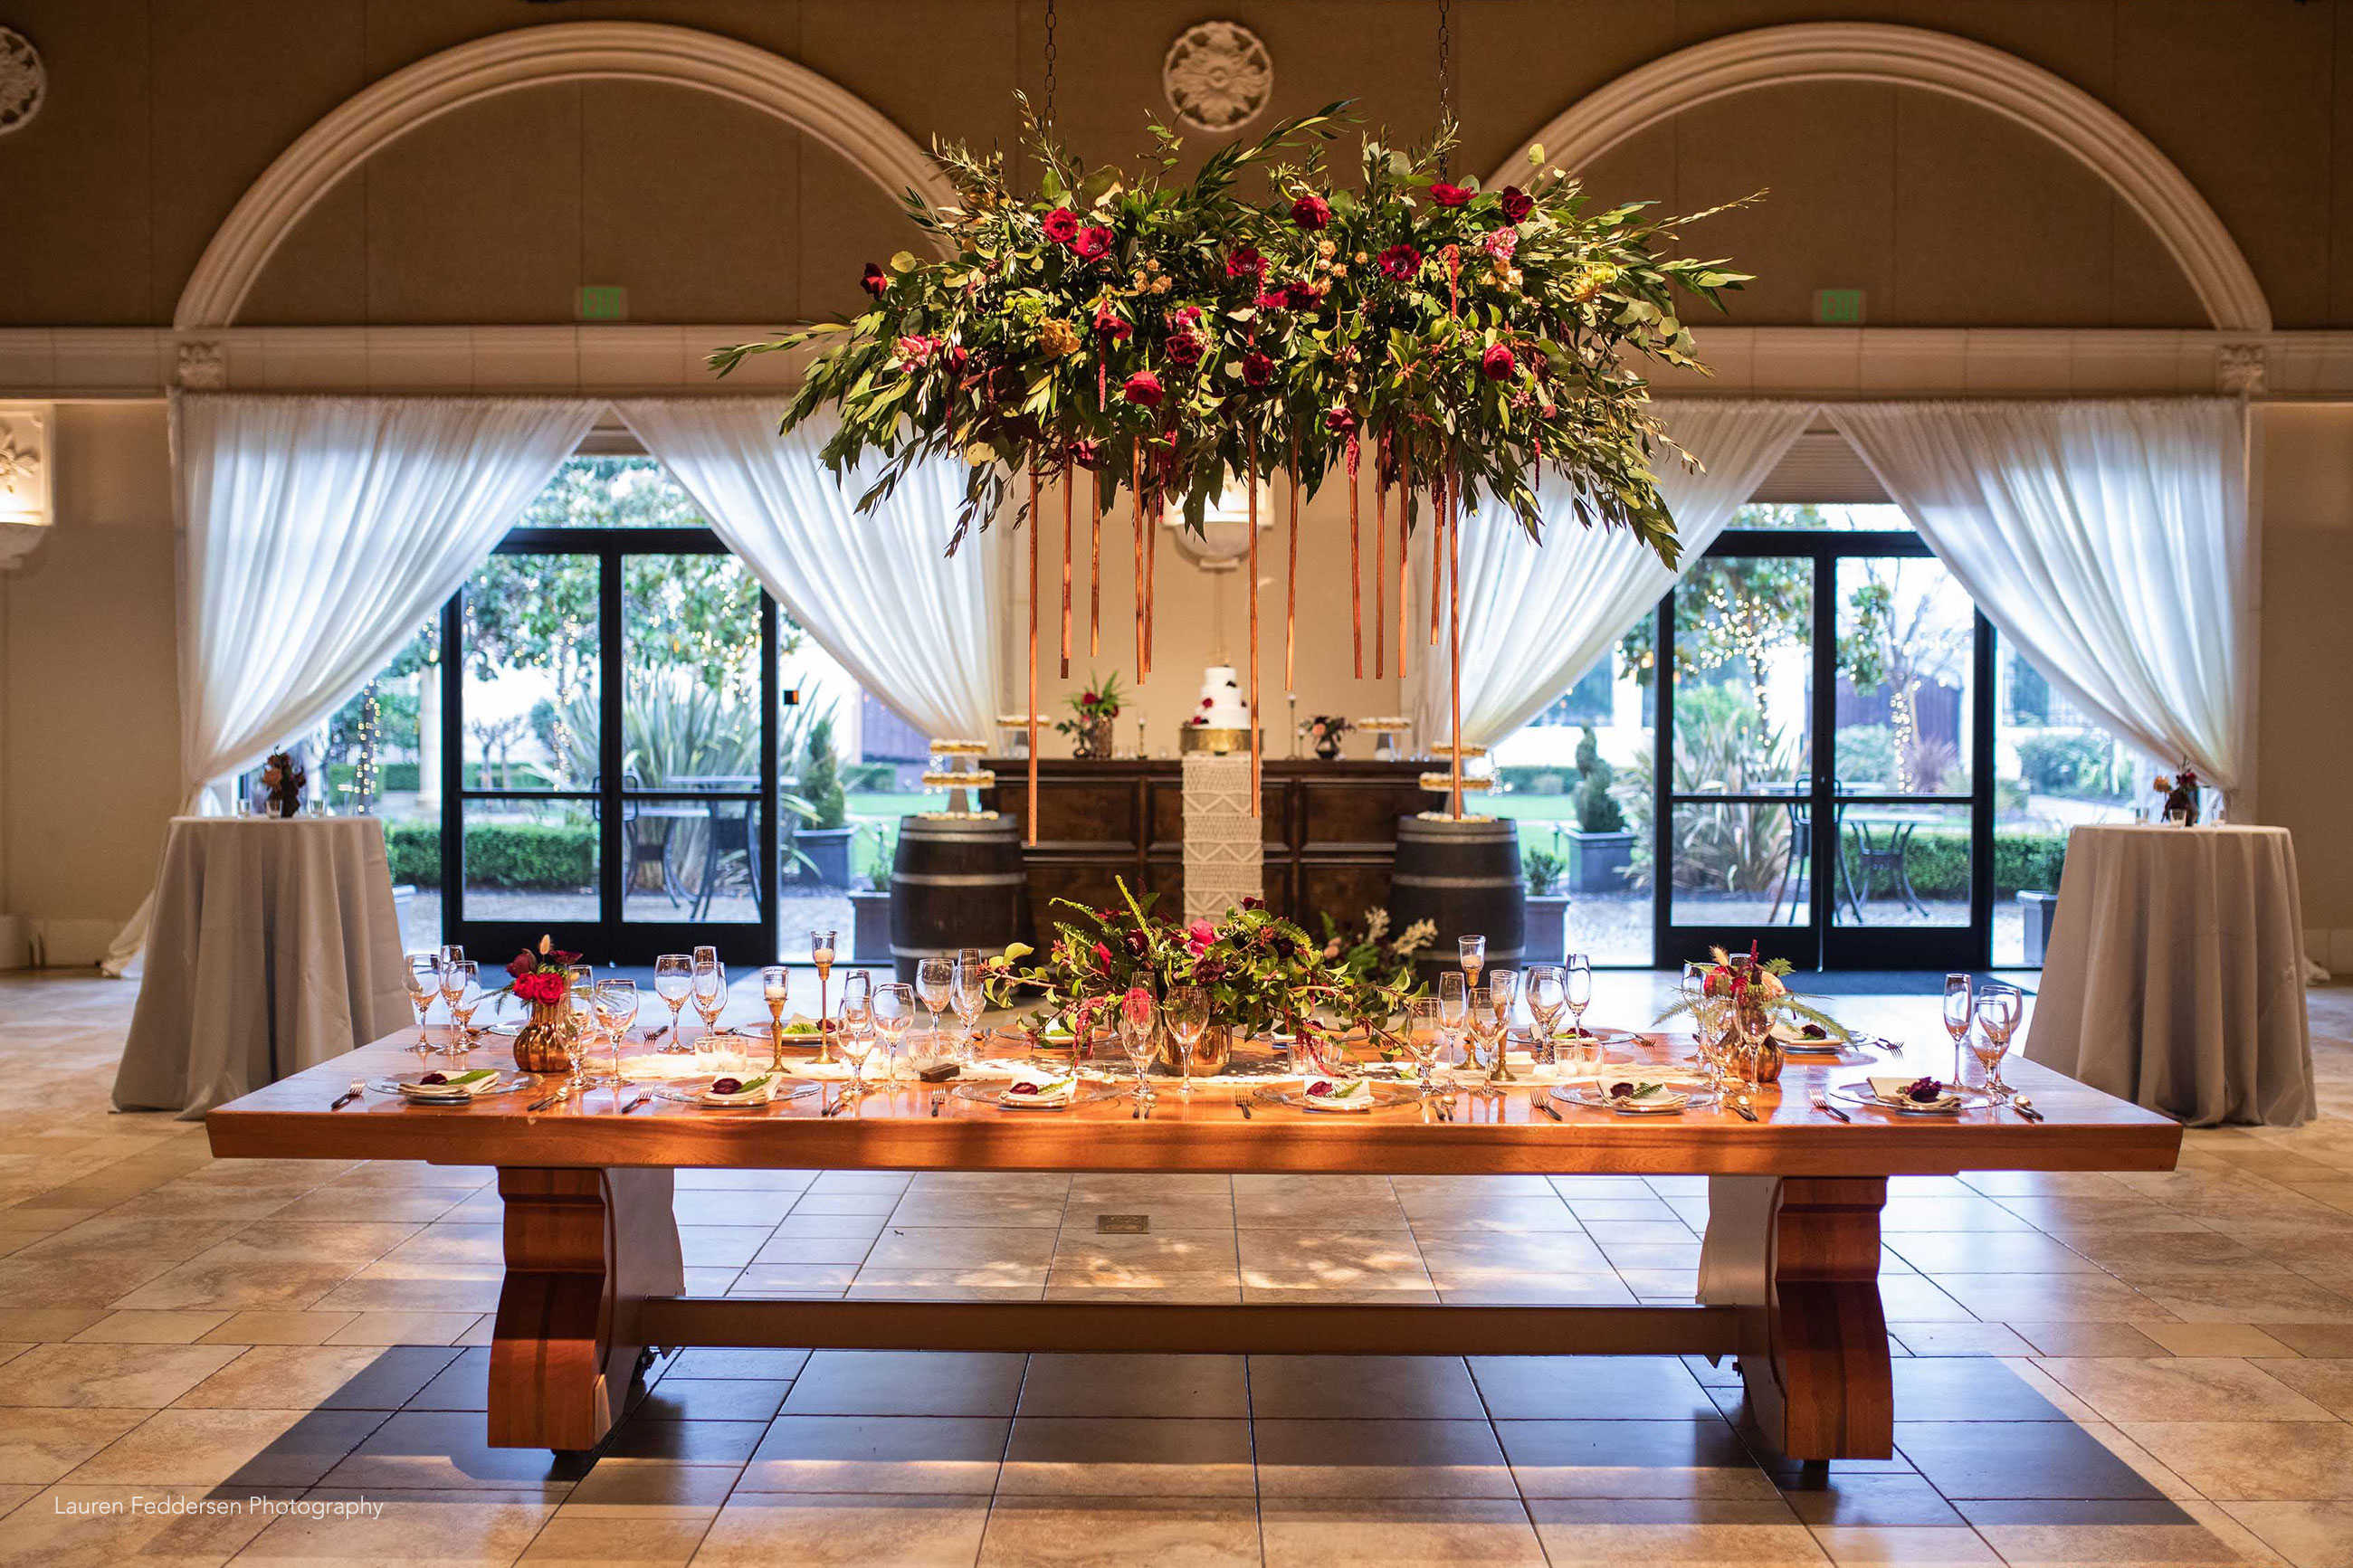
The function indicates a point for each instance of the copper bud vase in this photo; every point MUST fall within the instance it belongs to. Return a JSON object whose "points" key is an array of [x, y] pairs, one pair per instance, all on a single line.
{"points": [[546, 1044], [1210, 1052]]}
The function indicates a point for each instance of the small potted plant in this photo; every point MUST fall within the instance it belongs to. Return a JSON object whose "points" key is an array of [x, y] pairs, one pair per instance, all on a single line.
{"points": [[825, 842], [1600, 848], [870, 903], [1093, 710], [1545, 922]]}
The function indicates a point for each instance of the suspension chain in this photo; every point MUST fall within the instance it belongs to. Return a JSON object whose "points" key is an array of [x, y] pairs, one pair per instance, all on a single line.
{"points": [[1445, 71], [1052, 51]]}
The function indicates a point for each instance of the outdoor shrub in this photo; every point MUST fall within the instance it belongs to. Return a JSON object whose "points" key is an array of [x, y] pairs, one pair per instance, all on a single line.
{"points": [[525, 855], [821, 778], [2073, 764], [1597, 810]]}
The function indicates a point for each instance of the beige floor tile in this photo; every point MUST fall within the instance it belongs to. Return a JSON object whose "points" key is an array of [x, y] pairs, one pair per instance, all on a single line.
{"points": [[2307, 1534], [1380, 1459], [37, 1447], [2181, 1388], [759, 1529], [214, 1447], [271, 1377], [104, 1527], [1592, 1532], [653, 1483], [1116, 1530], [1369, 1533], [2122, 1546], [2325, 1383], [1165, 1385], [2205, 1340], [1904, 1546], [150, 1328], [149, 1376], [1332, 1260], [906, 1383], [1128, 1456], [265, 1327], [38, 1324], [929, 1455], [1418, 1387], [445, 1528], [2305, 1461], [2046, 1298], [398, 1328], [970, 1248], [448, 1451], [2251, 1299], [573, 1539]]}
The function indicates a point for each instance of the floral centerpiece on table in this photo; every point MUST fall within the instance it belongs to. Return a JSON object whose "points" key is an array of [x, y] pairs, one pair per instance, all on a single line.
{"points": [[2180, 793], [1094, 708], [1263, 974], [547, 1040], [1744, 984], [538, 975]]}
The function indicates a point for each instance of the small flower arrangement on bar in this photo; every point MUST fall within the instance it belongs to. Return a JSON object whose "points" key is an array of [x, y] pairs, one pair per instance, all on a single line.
{"points": [[2180, 793], [1095, 708]]}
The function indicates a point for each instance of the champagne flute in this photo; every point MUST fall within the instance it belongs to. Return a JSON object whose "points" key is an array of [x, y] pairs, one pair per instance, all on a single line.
{"points": [[1547, 994], [1454, 1008], [1473, 951], [461, 988], [1998, 1009], [617, 1009], [894, 1008], [821, 954], [674, 983], [1577, 988], [969, 993], [1424, 1034], [935, 984], [1490, 1016], [710, 1001], [775, 990], [1960, 1006], [579, 982], [1137, 1032], [421, 974]]}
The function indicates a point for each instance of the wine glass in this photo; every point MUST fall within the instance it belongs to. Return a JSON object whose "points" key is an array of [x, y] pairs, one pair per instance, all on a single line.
{"points": [[894, 1014], [1424, 1034], [1472, 949], [775, 990], [1453, 1007], [710, 1001], [1576, 989], [421, 974], [452, 953], [1490, 1017], [617, 1009], [1139, 1037], [969, 993], [461, 988], [1547, 994], [935, 984], [857, 1037], [674, 983], [1960, 1006], [1998, 1009]]}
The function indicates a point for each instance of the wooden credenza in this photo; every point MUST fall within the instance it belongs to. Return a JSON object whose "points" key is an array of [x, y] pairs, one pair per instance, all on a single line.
{"points": [[1331, 831]]}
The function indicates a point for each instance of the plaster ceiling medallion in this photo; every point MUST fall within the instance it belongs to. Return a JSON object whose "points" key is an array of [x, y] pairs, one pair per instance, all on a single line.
{"points": [[1217, 76], [24, 80]]}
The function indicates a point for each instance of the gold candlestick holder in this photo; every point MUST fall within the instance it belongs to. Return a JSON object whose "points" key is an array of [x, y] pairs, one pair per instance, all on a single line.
{"points": [[821, 950]]}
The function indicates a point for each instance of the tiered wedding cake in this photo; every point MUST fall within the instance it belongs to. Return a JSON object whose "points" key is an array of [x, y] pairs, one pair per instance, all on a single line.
{"points": [[1221, 706]]}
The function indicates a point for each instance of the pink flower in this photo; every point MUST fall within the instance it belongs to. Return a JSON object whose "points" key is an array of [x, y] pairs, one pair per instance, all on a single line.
{"points": [[1143, 387], [1274, 299], [1094, 240], [1497, 363], [1311, 212], [1400, 262], [1061, 225], [1448, 195], [1245, 261], [1185, 315], [916, 350], [1102, 955], [1517, 204], [1199, 936], [1503, 243]]}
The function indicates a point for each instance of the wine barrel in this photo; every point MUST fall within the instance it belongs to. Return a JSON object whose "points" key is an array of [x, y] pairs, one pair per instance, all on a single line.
{"points": [[1465, 878], [955, 882]]}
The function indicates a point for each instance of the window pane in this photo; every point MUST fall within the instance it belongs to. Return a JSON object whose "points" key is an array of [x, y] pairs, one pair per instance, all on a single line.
{"points": [[2054, 766], [531, 673], [1740, 864], [1901, 866], [1744, 676], [529, 861], [1907, 635], [612, 493], [692, 861], [1825, 516]]}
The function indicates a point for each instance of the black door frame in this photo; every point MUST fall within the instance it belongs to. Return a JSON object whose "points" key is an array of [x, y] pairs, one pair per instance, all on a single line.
{"points": [[1822, 942], [610, 939]]}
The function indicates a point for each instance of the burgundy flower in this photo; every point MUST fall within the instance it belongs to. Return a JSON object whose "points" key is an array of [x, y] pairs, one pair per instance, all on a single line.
{"points": [[1311, 212], [1143, 387], [1061, 225], [1094, 240], [874, 280], [1107, 321], [1448, 195], [1085, 453], [1276, 298], [1341, 420], [1303, 296], [1400, 262], [1245, 261], [1137, 945], [1256, 369], [522, 963], [1497, 363], [1184, 348], [1517, 204], [1253, 903]]}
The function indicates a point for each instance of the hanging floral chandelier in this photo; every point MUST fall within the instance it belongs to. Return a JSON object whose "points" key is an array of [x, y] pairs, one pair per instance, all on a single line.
{"points": [[1164, 337]]}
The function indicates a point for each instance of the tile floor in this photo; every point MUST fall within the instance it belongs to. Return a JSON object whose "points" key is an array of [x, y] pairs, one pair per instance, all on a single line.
{"points": [[200, 1358]]}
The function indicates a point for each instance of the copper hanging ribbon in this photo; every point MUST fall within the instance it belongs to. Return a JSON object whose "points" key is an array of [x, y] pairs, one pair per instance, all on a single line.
{"points": [[1033, 648], [1381, 563], [1454, 635], [1254, 725], [1355, 563], [1094, 575], [1290, 584], [1151, 577], [1436, 551], [1069, 480], [1136, 520]]}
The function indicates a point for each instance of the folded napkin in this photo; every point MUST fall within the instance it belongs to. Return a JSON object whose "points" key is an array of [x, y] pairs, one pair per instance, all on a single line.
{"points": [[1643, 1093], [749, 1090], [1039, 1091], [459, 1086], [1353, 1095], [1897, 1090]]}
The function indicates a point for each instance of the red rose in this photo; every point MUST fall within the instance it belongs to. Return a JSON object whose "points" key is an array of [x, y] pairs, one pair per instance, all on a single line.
{"points": [[1094, 240], [1311, 212], [1107, 322], [1184, 348], [1400, 262], [1448, 195], [874, 280], [1304, 296], [1061, 225], [1256, 368], [1143, 387], [1497, 363], [1245, 262], [1340, 420], [1517, 204]]}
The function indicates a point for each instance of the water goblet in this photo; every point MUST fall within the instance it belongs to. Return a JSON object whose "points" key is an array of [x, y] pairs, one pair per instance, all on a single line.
{"points": [[857, 1031], [1473, 951], [894, 1014], [935, 986], [1577, 988], [1187, 1014], [1960, 1007], [1547, 991], [1453, 1007], [969, 993], [461, 989], [674, 983], [710, 1001], [1998, 1008], [617, 1009], [421, 974]]}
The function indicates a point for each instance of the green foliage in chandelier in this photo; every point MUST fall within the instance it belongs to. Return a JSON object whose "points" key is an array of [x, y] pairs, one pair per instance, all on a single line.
{"points": [[1173, 328]]}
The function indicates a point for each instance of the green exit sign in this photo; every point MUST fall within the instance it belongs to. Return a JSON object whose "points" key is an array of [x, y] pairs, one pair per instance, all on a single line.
{"points": [[604, 302], [1838, 307]]}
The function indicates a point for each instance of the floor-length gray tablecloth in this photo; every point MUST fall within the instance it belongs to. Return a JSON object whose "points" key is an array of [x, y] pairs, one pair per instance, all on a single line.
{"points": [[2175, 973], [275, 946]]}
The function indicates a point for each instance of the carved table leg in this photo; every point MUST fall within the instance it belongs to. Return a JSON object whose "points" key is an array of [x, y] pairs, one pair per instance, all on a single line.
{"points": [[583, 1248], [1800, 1257]]}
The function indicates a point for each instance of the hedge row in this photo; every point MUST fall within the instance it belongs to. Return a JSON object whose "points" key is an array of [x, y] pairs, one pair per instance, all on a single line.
{"points": [[520, 855]]}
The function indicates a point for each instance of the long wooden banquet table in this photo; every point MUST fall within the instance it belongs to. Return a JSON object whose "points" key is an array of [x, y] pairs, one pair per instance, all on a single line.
{"points": [[1787, 1283]]}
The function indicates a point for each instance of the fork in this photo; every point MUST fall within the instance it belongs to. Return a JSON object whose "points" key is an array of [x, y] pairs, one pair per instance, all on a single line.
{"points": [[1242, 1104], [1821, 1102], [1740, 1106]]}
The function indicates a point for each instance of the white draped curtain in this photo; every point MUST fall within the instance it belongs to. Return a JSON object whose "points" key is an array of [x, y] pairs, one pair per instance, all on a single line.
{"points": [[317, 534], [2108, 540], [1536, 616], [917, 628]]}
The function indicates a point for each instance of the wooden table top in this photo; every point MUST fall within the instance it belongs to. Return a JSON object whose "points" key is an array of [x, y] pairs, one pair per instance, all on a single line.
{"points": [[1492, 1131]]}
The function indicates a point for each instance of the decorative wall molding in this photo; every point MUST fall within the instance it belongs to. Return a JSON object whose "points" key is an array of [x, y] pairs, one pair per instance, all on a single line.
{"points": [[1217, 76], [506, 62], [64, 362], [24, 80], [2063, 113], [25, 463]]}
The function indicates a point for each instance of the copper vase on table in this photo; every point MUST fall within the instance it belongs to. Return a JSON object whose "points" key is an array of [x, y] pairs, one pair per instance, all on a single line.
{"points": [[546, 1042]]}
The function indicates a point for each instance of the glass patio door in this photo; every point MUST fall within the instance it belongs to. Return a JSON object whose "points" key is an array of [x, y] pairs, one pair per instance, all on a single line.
{"points": [[609, 749], [1820, 698]]}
